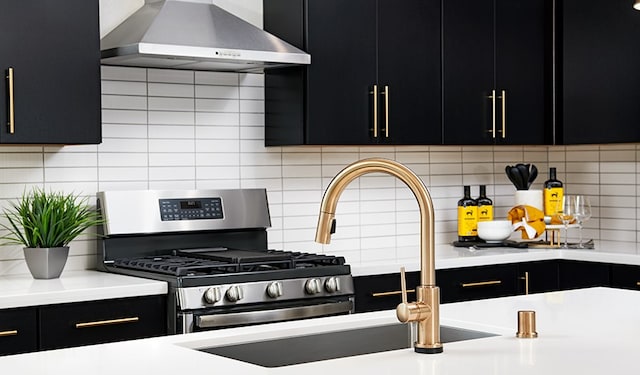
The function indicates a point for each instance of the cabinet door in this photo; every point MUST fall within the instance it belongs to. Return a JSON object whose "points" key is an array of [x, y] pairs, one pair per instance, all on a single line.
{"points": [[409, 70], [599, 59], [18, 331], [470, 283], [94, 322], [382, 292], [523, 71], [56, 72], [538, 277], [578, 274], [497, 61], [625, 276], [468, 79], [342, 42]]}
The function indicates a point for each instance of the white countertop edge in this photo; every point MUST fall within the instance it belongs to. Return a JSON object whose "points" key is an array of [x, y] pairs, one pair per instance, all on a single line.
{"points": [[74, 286]]}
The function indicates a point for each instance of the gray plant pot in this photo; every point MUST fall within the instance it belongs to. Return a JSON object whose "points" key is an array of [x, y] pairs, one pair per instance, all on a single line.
{"points": [[46, 262]]}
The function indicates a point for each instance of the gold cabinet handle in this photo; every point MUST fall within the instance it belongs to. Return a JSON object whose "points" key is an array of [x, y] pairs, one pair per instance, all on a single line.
{"points": [[8, 333], [12, 115], [504, 113], [107, 322], [481, 283], [493, 113], [386, 111], [638, 283], [375, 110], [393, 293], [526, 282]]}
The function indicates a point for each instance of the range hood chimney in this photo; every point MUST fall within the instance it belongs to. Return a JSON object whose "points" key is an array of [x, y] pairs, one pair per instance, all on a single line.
{"points": [[191, 34]]}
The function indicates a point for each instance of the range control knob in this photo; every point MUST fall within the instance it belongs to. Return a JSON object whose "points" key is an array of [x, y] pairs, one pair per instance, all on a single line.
{"points": [[274, 289], [234, 293], [212, 294], [313, 286], [332, 284]]}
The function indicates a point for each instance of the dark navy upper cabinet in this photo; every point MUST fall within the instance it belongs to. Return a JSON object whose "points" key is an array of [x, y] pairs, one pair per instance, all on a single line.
{"points": [[598, 80], [50, 65], [374, 76], [497, 72]]}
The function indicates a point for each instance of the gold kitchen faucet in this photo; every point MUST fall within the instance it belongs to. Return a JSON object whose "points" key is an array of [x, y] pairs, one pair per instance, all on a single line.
{"points": [[426, 310]]}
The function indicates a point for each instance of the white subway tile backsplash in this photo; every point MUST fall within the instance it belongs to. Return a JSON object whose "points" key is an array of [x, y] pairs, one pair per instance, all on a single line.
{"points": [[217, 92], [218, 105], [124, 131], [124, 102], [171, 118], [170, 104], [123, 145], [69, 159], [123, 73], [171, 89], [251, 79], [172, 132], [118, 116], [112, 159], [128, 88], [123, 174], [251, 106], [217, 132], [177, 173], [217, 118], [217, 78], [171, 145], [172, 159], [170, 76]]}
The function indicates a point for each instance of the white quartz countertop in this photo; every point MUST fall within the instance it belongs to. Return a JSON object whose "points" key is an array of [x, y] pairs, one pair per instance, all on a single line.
{"points": [[74, 286], [588, 331], [448, 256]]}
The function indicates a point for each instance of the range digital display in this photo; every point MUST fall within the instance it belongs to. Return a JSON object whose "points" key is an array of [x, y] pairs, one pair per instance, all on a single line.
{"points": [[190, 205]]}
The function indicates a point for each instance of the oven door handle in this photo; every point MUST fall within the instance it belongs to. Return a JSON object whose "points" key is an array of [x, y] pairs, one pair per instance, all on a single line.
{"points": [[269, 316]]}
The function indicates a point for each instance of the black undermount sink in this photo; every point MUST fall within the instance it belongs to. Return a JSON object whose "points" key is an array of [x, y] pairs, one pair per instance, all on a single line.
{"points": [[331, 345]]}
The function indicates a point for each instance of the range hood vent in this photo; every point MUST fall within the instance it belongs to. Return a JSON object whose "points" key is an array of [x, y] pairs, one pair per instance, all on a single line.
{"points": [[187, 34]]}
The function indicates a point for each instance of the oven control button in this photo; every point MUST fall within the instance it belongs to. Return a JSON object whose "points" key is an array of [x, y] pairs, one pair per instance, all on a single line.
{"points": [[212, 294], [234, 293], [274, 289], [313, 286], [332, 285]]}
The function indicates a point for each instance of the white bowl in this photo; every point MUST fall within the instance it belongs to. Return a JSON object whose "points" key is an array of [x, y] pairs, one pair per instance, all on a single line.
{"points": [[495, 231]]}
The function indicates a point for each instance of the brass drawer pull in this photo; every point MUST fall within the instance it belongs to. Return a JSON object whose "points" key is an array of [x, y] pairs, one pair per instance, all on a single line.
{"points": [[8, 333], [12, 115], [637, 283], [375, 110], [482, 283], [504, 114], [394, 293], [386, 111], [107, 322]]}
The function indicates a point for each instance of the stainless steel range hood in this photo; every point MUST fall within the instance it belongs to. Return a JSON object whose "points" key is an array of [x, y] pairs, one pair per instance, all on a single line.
{"points": [[191, 34]]}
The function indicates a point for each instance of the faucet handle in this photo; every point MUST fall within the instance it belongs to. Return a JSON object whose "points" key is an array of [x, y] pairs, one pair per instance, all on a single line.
{"points": [[403, 285]]}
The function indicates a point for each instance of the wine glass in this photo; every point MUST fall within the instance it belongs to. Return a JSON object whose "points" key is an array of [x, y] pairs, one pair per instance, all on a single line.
{"points": [[566, 211], [582, 214]]}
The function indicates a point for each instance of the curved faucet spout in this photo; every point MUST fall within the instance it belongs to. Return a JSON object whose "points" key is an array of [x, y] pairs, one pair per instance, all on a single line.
{"points": [[426, 310], [365, 166]]}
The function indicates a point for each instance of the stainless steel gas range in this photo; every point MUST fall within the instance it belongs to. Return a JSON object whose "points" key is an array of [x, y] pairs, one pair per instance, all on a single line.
{"points": [[211, 248]]}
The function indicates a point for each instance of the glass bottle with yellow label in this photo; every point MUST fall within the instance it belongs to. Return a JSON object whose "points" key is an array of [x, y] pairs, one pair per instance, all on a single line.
{"points": [[485, 205], [553, 193], [467, 217]]}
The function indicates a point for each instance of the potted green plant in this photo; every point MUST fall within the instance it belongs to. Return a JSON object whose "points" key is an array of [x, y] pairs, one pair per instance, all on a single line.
{"points": [[45, 223]]}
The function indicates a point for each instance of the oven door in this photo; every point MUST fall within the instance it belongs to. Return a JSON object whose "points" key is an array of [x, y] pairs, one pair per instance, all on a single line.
{"points": [[201, 320]]}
